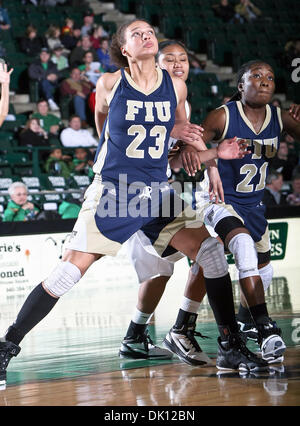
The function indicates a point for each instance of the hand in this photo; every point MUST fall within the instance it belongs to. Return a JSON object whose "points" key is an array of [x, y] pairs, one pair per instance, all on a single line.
{"points": [[190, 160], [231, 149], [28, 206], [52, 77], [294, 111], [4, 74], [54, 129], [216, 192]]}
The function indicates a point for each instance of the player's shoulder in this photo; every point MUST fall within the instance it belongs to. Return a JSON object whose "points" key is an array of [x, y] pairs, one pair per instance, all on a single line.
{"points": [[108, 80]]}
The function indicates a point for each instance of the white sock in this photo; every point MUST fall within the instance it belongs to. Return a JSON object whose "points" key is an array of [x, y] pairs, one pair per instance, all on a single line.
{"points": [[189, 305], [139, 317]]}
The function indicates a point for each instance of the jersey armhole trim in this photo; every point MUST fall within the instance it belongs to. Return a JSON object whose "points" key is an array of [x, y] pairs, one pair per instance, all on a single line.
{"points": [[279, 118], [113, 91]]}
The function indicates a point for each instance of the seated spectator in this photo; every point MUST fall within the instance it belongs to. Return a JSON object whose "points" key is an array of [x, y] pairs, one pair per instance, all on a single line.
{"points": [[224, 10], [19, 208], [74, 136], [272, 193], [92, 70], [83, 162], [247, 11], [76, 56], [5, 23], [59, 164], [104, 56], [32, 44], [53, 36], [98, 33], [79, 87], [88, 23], [58, 57], [293, 199], [49, 122], [283, 162], [45, 72], [33, 134], [70, 37], [68, 27]]}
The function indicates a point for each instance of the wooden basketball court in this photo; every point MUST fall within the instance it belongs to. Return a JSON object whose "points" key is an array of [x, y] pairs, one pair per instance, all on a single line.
{"points": [[71, 357]]}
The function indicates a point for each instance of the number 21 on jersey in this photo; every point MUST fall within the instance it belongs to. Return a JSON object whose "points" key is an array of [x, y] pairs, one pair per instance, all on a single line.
{"points": [[251, 170]]}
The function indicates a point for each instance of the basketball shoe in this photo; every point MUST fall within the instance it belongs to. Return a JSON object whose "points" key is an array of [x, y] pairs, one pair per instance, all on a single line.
{"points": [[234, 355], [271, 344], [182, 342], [7, 351], [142, 347]]}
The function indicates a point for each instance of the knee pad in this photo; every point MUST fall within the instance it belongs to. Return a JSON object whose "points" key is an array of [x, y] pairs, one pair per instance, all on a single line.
{"points": [[62, 278], [243, 248], [266, 275], [212, 259]]}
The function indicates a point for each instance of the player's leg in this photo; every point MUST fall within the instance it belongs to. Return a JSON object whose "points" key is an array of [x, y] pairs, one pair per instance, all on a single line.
{"points": [[153, 273], [199, 246], [241, 244], [41, 301], [181, 338]]}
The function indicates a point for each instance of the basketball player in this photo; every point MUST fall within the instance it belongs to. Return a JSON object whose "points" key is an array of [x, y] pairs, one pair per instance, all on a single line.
{"points": [[4, 81], [181, 338], [249, 115], [140, 107]]}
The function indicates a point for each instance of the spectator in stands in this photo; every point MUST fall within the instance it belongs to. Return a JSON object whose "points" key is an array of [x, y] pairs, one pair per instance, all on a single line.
{"points": [[92, 70], [293, 199], [74, 136], [5, 23], [58, 58], [83, 162], [197, 65], [68, 27], [34, 136], [59, 164], [4, 82], [19, 208], [246, 11], [76, 56], [283, 162], [31, 43], [53, 36], [49, 122], [45, 72], [88, 23], [224, 10], [104, 56], [98, 33], [79, 87], [272, 193]]}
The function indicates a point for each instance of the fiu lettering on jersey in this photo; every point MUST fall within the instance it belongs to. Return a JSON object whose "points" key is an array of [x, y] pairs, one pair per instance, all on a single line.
{"points": [[138, 127], [244, 179]]}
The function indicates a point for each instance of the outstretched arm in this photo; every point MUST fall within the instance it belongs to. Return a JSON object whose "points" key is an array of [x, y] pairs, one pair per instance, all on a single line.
{"points": [[4, 101]]}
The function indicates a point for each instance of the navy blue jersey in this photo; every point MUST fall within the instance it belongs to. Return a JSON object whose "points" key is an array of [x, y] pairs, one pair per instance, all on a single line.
{"points": [[134, 140], [244, 179]]}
